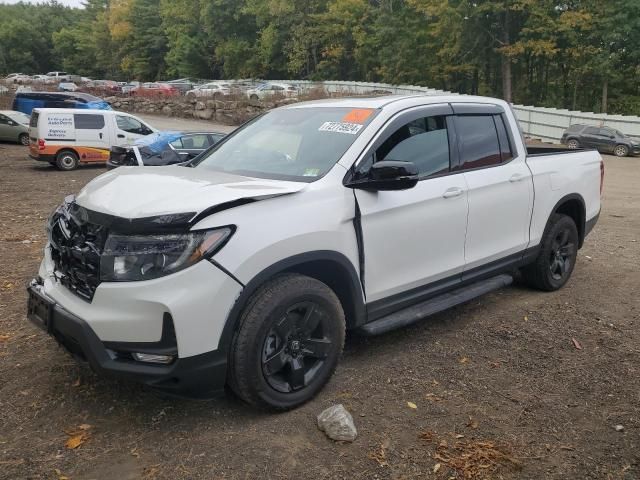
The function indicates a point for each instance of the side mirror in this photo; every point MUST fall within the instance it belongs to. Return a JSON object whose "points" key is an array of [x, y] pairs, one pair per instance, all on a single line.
{"points": [[389, 175]]}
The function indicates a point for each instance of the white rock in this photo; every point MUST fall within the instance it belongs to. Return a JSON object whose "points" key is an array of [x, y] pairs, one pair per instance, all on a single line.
{"points": [[337, 424], [619, 428]]}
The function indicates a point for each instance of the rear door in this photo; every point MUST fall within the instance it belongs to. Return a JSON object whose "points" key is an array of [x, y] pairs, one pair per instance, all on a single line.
{"points": [[500, 186], [92, 137], [413, 238]]}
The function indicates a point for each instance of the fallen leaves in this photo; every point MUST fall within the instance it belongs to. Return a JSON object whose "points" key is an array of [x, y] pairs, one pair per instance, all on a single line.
{"points": [[412, 405], [576, 344], [4, 338], [463, 360], [78, 436], [380, 456], [470, 459], [476, 459]]}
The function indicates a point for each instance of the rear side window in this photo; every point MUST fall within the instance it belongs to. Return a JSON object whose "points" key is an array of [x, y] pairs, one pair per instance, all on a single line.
{"points": [[477, 141], [424, 142], [87, 121], [506, 153], [34, 119], [592, 131]]}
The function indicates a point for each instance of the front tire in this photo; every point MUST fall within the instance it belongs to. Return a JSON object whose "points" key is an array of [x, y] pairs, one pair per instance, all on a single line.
{"points": [[67, 160], [621, 151], [557, 257], [287, 346]]}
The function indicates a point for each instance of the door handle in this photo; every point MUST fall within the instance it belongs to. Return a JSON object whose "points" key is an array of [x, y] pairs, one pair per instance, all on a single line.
{"points": [[517, 177], [120, 135], [452, 192], [100, 135]]}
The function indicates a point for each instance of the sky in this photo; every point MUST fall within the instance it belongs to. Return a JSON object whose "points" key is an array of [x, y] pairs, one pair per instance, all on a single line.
{"points": [[69, 3]]}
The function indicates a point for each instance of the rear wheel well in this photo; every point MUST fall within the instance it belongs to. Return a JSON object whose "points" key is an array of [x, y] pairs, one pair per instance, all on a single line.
{"points": [[337, 278], [574, 208]]}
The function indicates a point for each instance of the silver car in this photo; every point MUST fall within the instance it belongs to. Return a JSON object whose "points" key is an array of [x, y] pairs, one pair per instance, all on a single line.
{"points": [[14, 127]]}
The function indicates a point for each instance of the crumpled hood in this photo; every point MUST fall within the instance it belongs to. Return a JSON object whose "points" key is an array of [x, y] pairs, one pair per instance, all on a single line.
{"points": [[138, 192]]}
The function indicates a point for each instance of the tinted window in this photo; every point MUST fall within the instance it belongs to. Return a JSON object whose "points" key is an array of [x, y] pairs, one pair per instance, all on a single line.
{"points": [[34, 119], [423, 141], [129, 124], [477, 141], [86, 121], [592, 131], [199, 141], [505, 148]]}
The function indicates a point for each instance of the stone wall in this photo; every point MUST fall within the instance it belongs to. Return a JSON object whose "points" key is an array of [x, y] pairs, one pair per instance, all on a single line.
{"points": [[228, 112]]}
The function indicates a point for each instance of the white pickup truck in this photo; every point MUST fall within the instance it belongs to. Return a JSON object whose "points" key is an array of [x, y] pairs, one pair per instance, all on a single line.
{"points": [[245, 267]]}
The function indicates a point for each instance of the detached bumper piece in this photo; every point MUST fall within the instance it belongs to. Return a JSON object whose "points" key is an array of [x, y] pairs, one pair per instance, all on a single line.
{"points": [[200, 376]]}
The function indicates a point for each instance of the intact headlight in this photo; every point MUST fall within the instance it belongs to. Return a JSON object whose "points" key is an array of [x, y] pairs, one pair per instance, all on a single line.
{"points": [[128, 258]]}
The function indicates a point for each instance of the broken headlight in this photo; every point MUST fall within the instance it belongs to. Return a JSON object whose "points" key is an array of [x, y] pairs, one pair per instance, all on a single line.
{"points": [[128, 258]]}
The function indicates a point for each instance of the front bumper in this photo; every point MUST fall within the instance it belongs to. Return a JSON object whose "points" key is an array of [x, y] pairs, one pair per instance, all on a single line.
{"points": [[199, 376]]}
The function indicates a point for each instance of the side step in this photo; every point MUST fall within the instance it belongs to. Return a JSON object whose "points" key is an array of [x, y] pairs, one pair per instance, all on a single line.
{"points": [[434, 305]]}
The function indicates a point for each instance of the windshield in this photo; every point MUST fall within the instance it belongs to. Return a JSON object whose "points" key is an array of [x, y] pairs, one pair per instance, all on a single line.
{"points": [[298, 144]]}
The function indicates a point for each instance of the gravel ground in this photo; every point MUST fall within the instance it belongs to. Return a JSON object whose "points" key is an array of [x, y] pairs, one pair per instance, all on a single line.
{"points": [[516, 384]]}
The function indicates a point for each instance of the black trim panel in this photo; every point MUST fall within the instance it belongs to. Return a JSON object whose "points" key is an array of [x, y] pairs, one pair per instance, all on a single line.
{"points": [[590, 224], [386, 306], [476, 109], [199, 376]]}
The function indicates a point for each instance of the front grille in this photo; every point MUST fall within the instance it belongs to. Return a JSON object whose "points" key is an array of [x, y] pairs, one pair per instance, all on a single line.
{"points": [[76, 246]]}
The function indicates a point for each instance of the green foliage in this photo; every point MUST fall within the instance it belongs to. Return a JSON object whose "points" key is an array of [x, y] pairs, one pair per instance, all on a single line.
{"points": [[579, 54]]}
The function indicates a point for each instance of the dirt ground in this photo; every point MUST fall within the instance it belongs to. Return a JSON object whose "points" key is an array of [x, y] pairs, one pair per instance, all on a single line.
{"points": [[517, 384]]}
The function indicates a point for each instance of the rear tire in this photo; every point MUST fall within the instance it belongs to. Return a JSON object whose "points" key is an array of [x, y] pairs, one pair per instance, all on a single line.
{"points": [[287, 346], [24, 139], [621, 151], [557, 257], [67, 160]]}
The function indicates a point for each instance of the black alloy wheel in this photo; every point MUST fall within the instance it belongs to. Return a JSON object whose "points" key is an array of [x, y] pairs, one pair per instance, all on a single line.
{"points": [[556, 259], [562, 255], [296, 348], [288, 342]]}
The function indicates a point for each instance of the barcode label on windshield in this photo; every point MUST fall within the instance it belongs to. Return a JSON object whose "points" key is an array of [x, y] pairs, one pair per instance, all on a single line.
{"points": [[340, 127]]}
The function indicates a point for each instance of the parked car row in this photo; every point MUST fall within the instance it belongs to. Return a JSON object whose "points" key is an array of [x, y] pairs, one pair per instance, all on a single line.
{"points": [[67, 138]]}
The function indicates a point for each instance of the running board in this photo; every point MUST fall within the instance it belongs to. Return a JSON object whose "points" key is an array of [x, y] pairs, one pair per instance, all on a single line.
{"points": [[434, 305]]}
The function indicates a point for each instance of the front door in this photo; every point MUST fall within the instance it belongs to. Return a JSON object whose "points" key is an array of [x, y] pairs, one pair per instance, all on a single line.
{"points": [[413, 238]]}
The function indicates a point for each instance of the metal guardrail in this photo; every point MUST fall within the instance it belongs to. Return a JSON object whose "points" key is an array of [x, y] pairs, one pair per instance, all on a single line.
{"points": [[547, 124]]}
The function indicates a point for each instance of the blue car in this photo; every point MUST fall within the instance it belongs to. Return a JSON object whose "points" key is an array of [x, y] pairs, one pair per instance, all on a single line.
{"points": [[163, 148], [25, 102]]}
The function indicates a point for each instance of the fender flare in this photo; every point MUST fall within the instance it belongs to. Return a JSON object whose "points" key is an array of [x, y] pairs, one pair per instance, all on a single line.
{"points": [[358, 308], [582, 220]]}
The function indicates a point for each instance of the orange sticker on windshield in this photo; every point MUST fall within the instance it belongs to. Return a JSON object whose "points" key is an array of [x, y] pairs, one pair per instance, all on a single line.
{"points": [[357, 115]]}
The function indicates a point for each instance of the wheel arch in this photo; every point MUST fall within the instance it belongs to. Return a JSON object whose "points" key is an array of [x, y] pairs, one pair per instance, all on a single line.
{"points": [[573, 206], [330, 267], [68, 149]]}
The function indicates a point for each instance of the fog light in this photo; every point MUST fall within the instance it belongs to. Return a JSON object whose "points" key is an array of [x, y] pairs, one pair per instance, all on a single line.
{"points": [[152, 358]]}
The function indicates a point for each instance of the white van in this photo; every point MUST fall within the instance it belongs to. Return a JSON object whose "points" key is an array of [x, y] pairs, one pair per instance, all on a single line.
{"points": [[66, 137]]}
